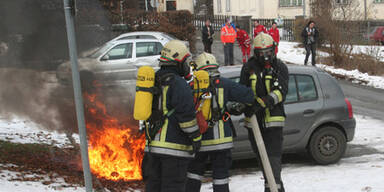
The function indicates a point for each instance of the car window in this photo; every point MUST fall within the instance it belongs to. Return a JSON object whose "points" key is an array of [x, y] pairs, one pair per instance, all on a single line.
{"points": [[144, 49], [292, 90], [121, 51], [100, 50], [306, 88]]}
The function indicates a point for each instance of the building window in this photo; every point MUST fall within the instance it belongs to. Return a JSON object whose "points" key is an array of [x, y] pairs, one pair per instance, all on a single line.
{"points": [[219, 6], [228, 5], [290, 3], [171, 5], [341, 1]]}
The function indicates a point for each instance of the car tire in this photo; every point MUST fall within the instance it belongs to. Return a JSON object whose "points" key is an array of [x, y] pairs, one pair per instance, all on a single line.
{"points": [[327, 145]]}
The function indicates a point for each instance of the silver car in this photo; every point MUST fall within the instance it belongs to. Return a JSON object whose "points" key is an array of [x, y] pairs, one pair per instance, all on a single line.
{"points": [[116, 60], [319, 118]]}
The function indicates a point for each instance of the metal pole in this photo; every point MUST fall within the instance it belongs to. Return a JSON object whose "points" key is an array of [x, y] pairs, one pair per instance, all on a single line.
{"points": [[121, 12], [263, 155], [365, 9], [77, 93], [146, 5], [304, 8]]}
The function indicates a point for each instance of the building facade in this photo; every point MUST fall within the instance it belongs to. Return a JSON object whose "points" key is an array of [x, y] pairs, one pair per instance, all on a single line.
{"points": [[289, 9], [170, 5]]}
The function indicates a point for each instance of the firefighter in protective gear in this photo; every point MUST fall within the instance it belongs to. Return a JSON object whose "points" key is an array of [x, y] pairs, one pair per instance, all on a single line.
{"points": [[268, 78], [244, 43], [175, 135], [217, 140]]}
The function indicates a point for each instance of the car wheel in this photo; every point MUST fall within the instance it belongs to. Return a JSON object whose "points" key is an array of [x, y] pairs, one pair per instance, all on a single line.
{"points": [[382, 42], [327, 145]]}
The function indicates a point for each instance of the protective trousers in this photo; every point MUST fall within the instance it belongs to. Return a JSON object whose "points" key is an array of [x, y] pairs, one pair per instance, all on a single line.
{"points": [[221, 162], [310, 49], [273, 140], [246, 52], [164, 173], [228, 54]]}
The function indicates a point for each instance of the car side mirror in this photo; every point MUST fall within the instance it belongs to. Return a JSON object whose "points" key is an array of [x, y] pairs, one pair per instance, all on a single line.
{"points": [[105, 57]]}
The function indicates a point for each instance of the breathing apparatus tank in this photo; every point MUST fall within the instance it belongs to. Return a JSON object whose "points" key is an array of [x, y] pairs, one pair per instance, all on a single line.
{"points": [[144, 93], [202, 94]]}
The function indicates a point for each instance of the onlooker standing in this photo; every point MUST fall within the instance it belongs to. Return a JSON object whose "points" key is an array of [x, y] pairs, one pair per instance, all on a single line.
{"points": [[207, 36], [228, 37], [310, 35], [274, 32], [258, 29], [244, 43]]}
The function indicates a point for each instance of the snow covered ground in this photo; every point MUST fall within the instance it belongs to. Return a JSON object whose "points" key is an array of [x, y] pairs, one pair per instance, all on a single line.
{"points": [[353, 173], [288, 51]]}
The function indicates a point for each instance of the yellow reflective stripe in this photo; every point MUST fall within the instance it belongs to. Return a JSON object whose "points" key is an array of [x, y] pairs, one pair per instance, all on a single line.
{"points": [[247, 119], [165, 90], [279, 95], [197, 138], [169, 145], [253, 79], [217, 141], [163, 133], [221, 104], [261, 102], [188, 124], [268, 83], [274, 119]]}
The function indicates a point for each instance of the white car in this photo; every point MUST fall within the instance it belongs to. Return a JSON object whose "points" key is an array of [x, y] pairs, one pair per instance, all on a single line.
{"points": [[116, 59], [160, 36]]}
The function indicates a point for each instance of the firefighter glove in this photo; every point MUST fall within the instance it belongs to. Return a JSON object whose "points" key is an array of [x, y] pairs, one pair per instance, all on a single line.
{"points": [[235, 108], [253, 109]]}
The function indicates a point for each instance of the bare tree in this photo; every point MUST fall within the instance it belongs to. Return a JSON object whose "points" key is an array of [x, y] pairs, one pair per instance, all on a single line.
{"points": [[339, 24]]}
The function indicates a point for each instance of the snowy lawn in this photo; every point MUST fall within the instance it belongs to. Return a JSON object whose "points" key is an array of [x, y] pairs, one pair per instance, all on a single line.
{"points": [[289, 52], [353, 173]]}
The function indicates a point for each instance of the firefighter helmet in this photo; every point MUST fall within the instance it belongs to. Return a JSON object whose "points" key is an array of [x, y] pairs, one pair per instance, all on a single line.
{"points": [[207, 61], [263, 41], [264, 47], [174, 52]]}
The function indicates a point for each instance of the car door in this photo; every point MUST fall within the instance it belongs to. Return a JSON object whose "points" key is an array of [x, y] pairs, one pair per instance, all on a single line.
{"points": [[302, 106], [148, 53], [117, 62]]}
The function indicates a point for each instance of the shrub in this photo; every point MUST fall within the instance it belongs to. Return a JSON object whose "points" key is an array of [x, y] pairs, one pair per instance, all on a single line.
{"points": [[176, 23]]}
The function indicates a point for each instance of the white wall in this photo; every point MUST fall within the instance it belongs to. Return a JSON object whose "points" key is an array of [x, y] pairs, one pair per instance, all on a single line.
{"points": [[270, 9]]}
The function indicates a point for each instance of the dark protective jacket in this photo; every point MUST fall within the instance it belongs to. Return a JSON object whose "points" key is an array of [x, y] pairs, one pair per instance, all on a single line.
{"points": [[310, 39], [219, 137], [174, 137], [205, 36], [270, 86]]}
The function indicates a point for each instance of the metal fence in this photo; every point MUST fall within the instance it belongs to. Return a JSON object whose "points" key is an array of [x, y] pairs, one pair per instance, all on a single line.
{"points": [[217, 21], [286, 28]]}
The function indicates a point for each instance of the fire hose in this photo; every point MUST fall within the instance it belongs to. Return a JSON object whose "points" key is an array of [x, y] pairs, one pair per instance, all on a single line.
{"points": [[263, 154]]}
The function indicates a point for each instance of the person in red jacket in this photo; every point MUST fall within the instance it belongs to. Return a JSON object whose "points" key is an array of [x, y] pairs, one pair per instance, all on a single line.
{"points": [[244, 43], [258, 28], [274, 32]]}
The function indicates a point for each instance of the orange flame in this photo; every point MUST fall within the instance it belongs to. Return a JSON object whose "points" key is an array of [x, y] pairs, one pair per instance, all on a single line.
{"points": [[115, 151]]}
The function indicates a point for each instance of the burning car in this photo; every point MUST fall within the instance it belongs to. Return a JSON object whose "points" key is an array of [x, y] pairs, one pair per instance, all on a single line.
{"points": [[119, 58]]}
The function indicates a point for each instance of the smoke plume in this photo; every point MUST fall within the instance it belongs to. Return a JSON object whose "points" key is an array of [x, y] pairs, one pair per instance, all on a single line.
{"points": [[33, 43]]}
